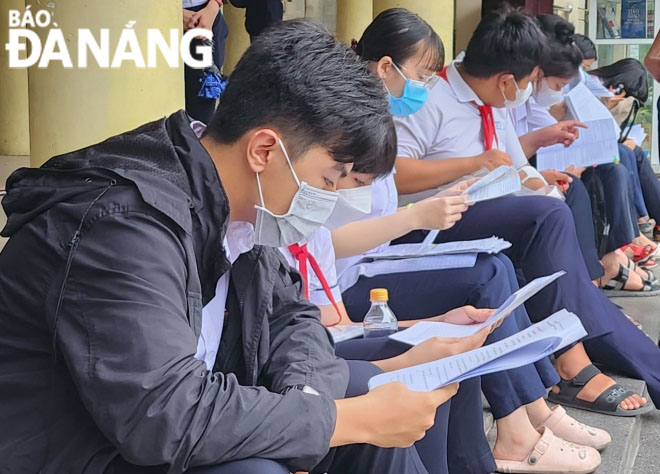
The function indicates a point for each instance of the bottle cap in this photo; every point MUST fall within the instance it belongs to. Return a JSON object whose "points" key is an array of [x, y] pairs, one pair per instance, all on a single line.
{"points": [[378, 294]]}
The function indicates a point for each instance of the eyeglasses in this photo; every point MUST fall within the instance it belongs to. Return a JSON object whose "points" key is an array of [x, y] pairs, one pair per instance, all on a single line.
{"points": [[427, 81]]}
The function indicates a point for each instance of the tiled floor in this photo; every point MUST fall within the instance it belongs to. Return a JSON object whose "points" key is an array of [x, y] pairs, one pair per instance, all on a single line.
{"points": [[8, 164]]}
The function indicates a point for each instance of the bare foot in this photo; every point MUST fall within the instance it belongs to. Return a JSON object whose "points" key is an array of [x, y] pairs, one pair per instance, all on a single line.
{"points": [[611, 264], [516, 437], [643, 241], [571, 362]]}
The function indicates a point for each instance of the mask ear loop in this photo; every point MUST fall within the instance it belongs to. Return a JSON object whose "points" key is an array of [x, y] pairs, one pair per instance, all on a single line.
{"points": [[286, 155], [261, 194]]}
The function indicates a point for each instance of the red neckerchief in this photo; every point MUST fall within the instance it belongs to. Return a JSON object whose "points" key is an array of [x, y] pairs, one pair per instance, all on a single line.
{"points": [[302, 255], [487, 119]]}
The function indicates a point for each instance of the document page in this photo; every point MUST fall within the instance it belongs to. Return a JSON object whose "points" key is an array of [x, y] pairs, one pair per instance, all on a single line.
{"points": [[424, 330], [527, 346], [499, 182], [596, 145], [394, 252], [586, 107], [637, 134]]}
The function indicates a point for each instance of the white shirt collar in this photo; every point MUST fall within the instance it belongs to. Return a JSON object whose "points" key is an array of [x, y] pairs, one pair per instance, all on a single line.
{"points": [[462, 90], [239, 239]]}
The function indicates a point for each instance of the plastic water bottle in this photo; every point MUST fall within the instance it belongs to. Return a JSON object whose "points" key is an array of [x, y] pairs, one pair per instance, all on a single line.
{"points": [[380, 320]]}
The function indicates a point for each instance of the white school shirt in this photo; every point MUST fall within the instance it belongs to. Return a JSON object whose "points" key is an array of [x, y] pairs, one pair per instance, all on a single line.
{"points": [[449, 126], [530, 116], [193, 3], [239, 239], [319, 245]]}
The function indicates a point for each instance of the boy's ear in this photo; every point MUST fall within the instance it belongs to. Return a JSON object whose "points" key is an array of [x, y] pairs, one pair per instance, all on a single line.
{"points": [[261, 146], [383, 67], [503, 79]]}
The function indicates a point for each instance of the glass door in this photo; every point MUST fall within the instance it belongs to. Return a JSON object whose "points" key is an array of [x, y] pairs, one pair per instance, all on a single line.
{"points": [[625, 29]]}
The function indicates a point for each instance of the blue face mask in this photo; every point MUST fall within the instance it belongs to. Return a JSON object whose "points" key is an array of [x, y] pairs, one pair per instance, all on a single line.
{"points": [[413, 97]]}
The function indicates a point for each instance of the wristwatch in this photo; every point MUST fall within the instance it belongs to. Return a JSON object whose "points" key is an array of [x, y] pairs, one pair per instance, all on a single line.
{"points": [[302, 388]]}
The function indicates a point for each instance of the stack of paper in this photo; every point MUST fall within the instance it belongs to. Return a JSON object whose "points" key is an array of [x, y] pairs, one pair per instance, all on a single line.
{"points": [[499, 182], [526, 347], [637, 134], [344, 332], [424, 330], [596, 145], [398, 252]]}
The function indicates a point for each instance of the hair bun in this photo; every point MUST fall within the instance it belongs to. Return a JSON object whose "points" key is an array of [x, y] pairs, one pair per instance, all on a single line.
{"points": [[565, 32]]}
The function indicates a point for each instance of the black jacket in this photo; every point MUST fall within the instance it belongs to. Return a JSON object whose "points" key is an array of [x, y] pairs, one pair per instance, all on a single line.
{"points": [[113, 251]]}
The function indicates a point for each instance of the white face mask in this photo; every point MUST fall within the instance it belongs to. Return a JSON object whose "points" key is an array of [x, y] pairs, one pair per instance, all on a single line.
{"points": [[353, 204], [521, 95], [309, 209], [545, 96]]}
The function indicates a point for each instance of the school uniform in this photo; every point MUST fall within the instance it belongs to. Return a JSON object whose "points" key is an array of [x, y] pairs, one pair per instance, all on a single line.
{"points": [[541, 229]]}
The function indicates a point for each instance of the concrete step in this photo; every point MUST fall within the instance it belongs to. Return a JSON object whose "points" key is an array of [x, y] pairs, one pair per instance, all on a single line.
{"points": [[648, 454], [645, 310]]}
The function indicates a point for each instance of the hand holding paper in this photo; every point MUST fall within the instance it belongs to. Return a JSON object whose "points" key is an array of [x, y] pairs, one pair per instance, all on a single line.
{"points": [[527, 346], [499, 182], [427, 329]]}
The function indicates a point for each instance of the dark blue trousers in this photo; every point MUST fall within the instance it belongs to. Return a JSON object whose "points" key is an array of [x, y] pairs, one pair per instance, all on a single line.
{"points": [[542, 232], [579, 202], [629, 161], [649, 183], [456, 443], [621, 213], [417, 295]]}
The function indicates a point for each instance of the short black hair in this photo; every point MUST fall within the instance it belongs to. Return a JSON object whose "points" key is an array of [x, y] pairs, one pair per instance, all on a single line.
{"points": [[562, 58], [629, 73], [399, 33], [506, 41], [587, 46], [298, 79]]}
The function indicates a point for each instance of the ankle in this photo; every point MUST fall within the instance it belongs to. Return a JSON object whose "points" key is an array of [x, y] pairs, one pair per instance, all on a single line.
{"points": [[566, 368]]}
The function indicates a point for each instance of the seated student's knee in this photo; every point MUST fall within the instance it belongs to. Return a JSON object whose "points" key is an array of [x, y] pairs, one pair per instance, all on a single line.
{"points": [[245, 466], [488, 268]]}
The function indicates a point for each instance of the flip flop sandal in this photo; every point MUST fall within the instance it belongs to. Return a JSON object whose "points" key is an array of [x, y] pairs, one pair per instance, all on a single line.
{"points": [[607, 402], [641, 254], [650, 263], [647, 227], [617, 285], [568, 428], [553, 455], [651, 279]]}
